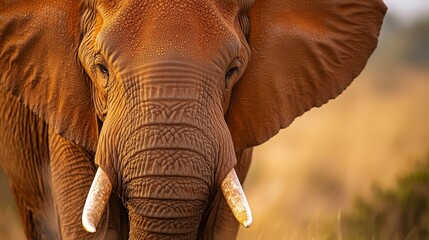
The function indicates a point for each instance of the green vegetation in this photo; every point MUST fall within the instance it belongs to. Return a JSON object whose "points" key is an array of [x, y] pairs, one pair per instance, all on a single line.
{"points": [[399, 213]]}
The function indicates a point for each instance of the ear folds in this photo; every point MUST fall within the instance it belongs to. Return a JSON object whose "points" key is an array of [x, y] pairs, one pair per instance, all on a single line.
{"points": [[304, 53], [38, 42]]}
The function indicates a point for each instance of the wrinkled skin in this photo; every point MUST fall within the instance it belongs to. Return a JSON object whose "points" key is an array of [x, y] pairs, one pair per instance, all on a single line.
{"points": [[166, 97]]}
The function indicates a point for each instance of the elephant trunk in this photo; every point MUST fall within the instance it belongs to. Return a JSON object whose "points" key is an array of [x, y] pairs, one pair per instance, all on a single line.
{"points": [[154, 228], [165, 208], [166, 183]]}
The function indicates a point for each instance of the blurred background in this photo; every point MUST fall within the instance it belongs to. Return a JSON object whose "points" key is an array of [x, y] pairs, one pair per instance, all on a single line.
{"points": [[357, 168]]}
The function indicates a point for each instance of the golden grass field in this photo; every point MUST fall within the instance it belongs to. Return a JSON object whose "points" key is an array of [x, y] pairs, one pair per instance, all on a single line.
{"points": [[306, 178]]}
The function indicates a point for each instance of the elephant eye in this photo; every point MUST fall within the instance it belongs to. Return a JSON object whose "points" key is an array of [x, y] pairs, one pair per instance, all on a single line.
{"points": [[232, 72], [103, 70]]}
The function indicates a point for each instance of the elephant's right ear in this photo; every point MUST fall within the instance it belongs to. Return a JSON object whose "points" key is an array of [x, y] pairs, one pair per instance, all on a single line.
{"points": [[304, 52], [39, 65]]}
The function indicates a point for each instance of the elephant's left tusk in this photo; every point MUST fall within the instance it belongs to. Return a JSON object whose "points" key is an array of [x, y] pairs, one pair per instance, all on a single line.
{"points": [[96, 201], [236, 199]]}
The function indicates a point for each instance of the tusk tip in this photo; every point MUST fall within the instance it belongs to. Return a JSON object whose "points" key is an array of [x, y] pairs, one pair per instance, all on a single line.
{"points": [[247, 223], [88, 226], [245, 218]]}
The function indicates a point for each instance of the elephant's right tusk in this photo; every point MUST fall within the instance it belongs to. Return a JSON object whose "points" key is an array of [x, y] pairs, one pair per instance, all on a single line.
{"points": [[236, 199], [96, 201]]}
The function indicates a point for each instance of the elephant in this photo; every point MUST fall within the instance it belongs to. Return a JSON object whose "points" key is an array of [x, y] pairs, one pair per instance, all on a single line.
{"points": [[137, 118]]}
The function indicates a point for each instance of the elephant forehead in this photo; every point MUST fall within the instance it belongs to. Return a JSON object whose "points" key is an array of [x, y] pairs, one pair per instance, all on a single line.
{"points": [[191, 29]]}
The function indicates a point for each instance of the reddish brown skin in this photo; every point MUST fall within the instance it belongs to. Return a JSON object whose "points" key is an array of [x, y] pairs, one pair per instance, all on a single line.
{"points": [[166, 97]]}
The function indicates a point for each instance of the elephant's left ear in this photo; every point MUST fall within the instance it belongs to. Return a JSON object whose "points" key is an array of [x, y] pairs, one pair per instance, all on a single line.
{"points": [[39, 65], [304, 52]]}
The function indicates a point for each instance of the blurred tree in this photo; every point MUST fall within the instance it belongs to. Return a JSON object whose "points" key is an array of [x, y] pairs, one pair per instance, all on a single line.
{"points": [[417, 50]]}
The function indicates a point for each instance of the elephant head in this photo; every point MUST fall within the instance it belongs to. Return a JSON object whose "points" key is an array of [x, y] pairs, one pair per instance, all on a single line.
{"points": [[167, 92]]}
